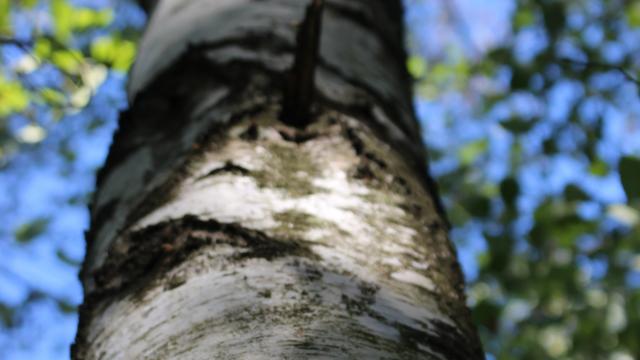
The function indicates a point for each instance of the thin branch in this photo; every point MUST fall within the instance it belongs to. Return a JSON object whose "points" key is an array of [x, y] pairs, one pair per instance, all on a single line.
{"points": [[590, 63], [5, 40], [25, 45]]}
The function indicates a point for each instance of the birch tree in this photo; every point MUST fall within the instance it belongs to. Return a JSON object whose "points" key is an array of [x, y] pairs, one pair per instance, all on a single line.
{"points": [[267, 196]]}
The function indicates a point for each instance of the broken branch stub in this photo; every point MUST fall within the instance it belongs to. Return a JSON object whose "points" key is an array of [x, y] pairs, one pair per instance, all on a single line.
{"points": [[299, 84]]}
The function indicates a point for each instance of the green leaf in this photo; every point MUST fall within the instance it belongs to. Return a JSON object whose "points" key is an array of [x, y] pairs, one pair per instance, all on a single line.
{"points": [[87, 18], [487, 313], [67, 60], [53, 97], [599, 168], [13, 97], [549, 146], [524, 17], [517, 125], [62, 13], [567, 229], [500, 251], [630, 177], [5, 17], [478, 206], [633, 14], [66, 152], [7, 315], [500, 55], [66, 307], [458, 215], [66, 259], [520, 78], [509, 190], [42, 48], [554, 16], [117, 53], [417, 66], [67, 18], [574, 193], [30, 230], [471, 151], [29, 4]]}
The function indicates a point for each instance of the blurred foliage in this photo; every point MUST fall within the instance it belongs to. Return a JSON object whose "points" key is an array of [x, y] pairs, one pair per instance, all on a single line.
{"points": [[62, 69], [536, 170], [30, 230], [532, 120], [55, 56]]}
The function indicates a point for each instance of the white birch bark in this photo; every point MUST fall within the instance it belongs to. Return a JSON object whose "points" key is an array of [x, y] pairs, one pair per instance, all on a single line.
{"points": [[218, 232]]}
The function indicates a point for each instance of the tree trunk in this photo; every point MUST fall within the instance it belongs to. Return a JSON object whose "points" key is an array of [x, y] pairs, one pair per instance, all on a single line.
{"points": [[219, 231]]}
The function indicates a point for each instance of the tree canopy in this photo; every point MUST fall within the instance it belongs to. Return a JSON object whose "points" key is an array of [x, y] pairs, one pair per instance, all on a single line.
{"points": [[530, 110]]}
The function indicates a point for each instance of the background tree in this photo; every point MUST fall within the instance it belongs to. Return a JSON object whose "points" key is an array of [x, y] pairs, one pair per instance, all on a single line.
{"points": [[505, 115]]}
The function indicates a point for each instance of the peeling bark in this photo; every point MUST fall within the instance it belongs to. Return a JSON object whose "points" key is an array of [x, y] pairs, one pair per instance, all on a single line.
{"points": [[218, 231]]}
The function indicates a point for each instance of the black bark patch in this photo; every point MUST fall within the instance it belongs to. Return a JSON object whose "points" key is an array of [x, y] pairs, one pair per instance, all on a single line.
{"points": [[251, 134], [157, 248], [297, 136], [448, 341], [145, 255], [228, 168], [354, 139], [401, 186], [443, 339]]}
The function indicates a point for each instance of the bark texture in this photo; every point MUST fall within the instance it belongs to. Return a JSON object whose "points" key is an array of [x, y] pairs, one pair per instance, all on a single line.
{"points": [[219, 232]]}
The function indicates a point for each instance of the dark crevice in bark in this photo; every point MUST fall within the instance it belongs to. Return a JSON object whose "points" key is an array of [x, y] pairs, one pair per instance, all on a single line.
{"points": [[296, 135], [252, 133], [160, 247], [360, 150], [228, 168]]}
